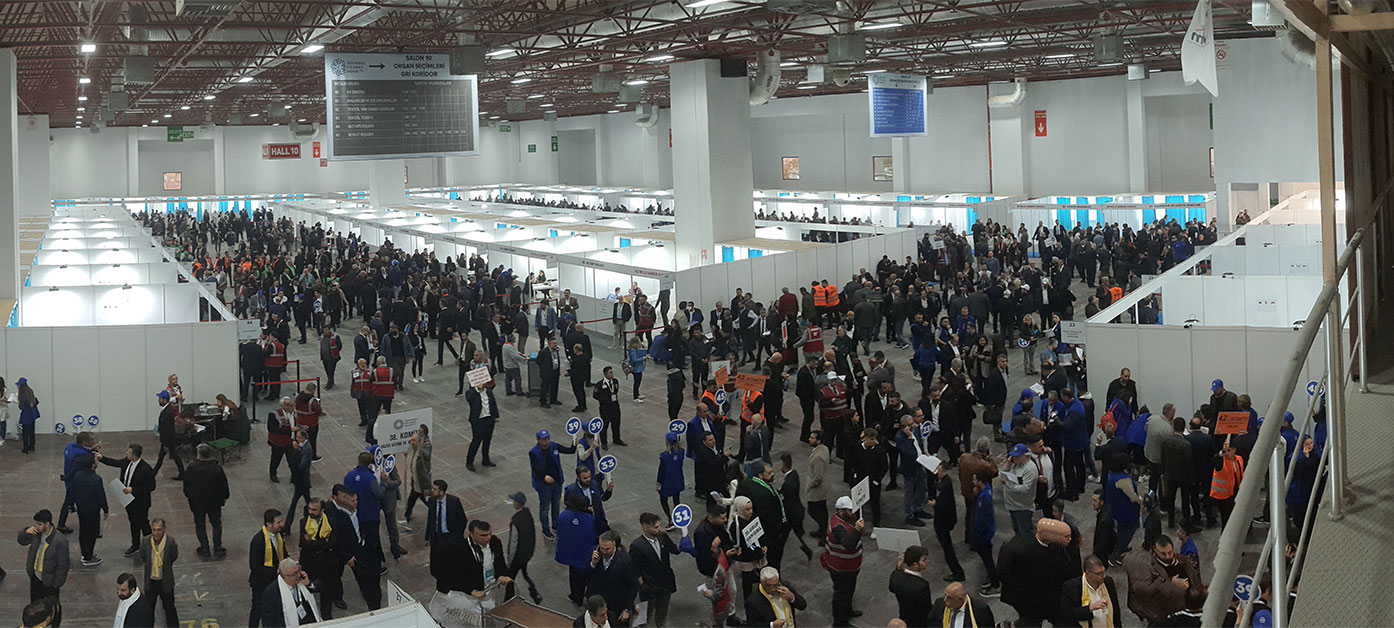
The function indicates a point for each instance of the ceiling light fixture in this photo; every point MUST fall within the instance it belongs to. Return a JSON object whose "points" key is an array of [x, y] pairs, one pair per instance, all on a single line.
{"points": [[82, 108], [83, 80], [184, 108], [245, 79], [659, 58], [1110, 65], [636, 82], [287, 106], [942, 77], [500, 52], [209, 97], [704, 3], [79, 117], [987, 44], [789, 64], [82, 99], [154, 122], [546, 104], [144, 126], [806, 87], [302, 120], [493, 117], [535, 96], [88, 48], [879, 26], [520, 81], [312, 48], [169, 115], [872, 71], [1063, 55], [254, 115], [613, 111]]}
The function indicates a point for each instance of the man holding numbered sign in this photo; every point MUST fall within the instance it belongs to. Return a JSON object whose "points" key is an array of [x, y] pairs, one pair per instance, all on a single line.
{"points": [[547, 479]]}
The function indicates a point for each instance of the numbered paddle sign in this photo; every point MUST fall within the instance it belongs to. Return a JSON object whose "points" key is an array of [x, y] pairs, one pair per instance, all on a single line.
{"points": [[58, 428], [573, 426], [1245, 589], [595, 425], [678, 426], [721, 397], [78, 420], [92, 421], [608, 464], [682, 515], [389, 463], [1023, 343], [377, 456], [926, 430]]}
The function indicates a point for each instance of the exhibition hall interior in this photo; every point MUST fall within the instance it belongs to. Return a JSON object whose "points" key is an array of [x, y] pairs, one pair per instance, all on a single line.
{"points": [[603, 313]]}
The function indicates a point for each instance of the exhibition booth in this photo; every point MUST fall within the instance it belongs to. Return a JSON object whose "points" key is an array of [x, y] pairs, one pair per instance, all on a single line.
{"points": [[1134, 210], [1215, 321], [100, 307]]}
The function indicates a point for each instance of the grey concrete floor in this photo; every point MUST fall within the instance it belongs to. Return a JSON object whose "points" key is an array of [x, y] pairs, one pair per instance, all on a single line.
{"points": [[216, 590]]}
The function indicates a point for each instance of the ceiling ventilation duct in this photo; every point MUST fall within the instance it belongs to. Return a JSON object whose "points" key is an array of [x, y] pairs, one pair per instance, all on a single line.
{"points": [[766, 78], [204, 9], [466, 60], [841, 76], [847, 48], [1137, 72], [276, 109], [234, 118], [630, 93], [139, 70], [1108, 48], [648, 116], [606, 81], [801, 7], [549, 116], [303, 132], [515, 106], [120, 101], [1298, 50], [1264, 17], [1009, 100]]}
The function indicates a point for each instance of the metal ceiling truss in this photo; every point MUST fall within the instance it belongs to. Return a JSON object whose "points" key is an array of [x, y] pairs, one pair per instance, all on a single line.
{"points": [[559, 44]]}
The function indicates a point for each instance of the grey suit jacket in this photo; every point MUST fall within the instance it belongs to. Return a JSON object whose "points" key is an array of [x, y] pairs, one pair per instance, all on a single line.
{"points": [[56, 559], [167, 571]]}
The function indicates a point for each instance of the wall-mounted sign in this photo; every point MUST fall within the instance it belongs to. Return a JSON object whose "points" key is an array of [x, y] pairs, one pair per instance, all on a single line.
{"points": [[898, 104], [323, 163], [1040, 123], [178, 134], [505, 128], [280, 151], [174, 181], [554, 143], [315, 147], [532, 148]]}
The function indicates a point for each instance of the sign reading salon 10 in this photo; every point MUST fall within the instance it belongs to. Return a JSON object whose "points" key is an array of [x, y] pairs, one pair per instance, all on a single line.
{"points": [[393, 106]]}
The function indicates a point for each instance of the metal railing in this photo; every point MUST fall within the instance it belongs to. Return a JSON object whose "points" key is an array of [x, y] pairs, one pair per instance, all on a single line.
{"points": [[1268, 469]]}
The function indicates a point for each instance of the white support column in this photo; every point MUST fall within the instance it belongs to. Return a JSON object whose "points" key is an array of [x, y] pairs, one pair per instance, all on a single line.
{"points": [[1009, 149], [901, 162], [713, 180], [9, 177], [133, 159], [219, 161], [387, 183], [1137, 138], [35, 195], [655, 138]]}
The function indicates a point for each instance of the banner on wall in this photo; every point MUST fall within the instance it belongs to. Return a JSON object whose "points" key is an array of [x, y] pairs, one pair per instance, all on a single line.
{"points": [[280, 151]]}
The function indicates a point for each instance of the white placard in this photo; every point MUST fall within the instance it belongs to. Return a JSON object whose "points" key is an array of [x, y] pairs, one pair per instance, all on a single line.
{"points": [[1072, 332], [479, 377], [397, 595], [752, 533], [929, 462], [116, 491], [248, 329], [394, 430], [896, 539], [861, 493]]}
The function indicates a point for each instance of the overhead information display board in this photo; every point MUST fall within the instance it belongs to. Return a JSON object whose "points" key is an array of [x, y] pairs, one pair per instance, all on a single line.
{"points": [[389, 106], [898, 104]]}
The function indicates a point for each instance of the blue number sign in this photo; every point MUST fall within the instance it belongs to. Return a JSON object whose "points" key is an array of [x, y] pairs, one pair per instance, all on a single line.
{"points": [[1023, 343], [389, 463], [573, 426], [58, 428], [377, 456], [595, 425], [721, 397], [78, 420], [92, 421], [682, 515], [677, 425], [1244, 588], [608, 464], [1314, 388]]}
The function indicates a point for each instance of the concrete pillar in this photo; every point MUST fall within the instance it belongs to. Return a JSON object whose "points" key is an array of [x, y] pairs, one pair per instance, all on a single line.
{"points": [[655, 140], [1137, 138], [713, 181], [9, 177], [133, 158], [901, 162], [220, 161], [34, 196], [387, 182], [1009, 148]]}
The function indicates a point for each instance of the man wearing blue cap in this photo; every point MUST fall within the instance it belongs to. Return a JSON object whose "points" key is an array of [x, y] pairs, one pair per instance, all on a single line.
{"points": [[169, 441], [1019, 480], [1221, 400], [547, 479]]}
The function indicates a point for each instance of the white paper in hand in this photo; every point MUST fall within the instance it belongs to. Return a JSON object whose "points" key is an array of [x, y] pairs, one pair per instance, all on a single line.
{"points": [[116, 491], [479, 376], [929, 462]]}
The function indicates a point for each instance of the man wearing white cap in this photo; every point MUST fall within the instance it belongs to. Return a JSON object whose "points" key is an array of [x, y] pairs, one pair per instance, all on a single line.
{"points": [[843, 558]]}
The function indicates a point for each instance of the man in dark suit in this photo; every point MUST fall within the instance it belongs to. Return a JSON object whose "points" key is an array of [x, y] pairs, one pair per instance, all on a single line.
{"points": [[611, 576], [588, 489], [955, 602], [772, 602], [994, 397], [769, 509], [134, 611], [910, 588], [522, 544], [356, 546], [445, 531], [650, 554], [1090, 597], [807, 393], [287, 600], [159, 552], [579, 371], [709, 472], [791, 493], [319, 554], [484, 413], [139, 479], [595, 611], [549, 366], [485, 564], [264, 553]]}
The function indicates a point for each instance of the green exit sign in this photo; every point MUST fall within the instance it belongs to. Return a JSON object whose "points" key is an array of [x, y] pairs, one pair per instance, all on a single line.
{"points": [[505, 128], [178, 134], [532, 148]]}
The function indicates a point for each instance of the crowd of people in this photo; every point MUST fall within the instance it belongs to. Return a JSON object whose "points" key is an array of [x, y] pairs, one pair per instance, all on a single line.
{"points": [[759, 479]]}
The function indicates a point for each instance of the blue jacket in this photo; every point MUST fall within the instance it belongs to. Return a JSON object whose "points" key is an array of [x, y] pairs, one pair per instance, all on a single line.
{"points": [[548, 322], [1122, 509], [549, 463], [984, 521], [597, 497], [925, 357], [637, 357], [670, 475], [70, 465], [1123, 415], [658, 350], [696, 433], [905, 444], [1076, 432], [576, 539], [362, 481], [1136, 435], [591, 458]]}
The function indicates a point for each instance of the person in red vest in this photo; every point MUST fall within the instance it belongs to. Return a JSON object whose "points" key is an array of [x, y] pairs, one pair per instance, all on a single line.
{"points": [[842, 557], [752, 403], [279, 427], [307, 413], [273, 364], [383, 391], [362, 390]]}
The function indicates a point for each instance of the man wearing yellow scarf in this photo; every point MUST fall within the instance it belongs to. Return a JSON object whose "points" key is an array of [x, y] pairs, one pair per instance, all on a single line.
{"points": [[319, 558], [1092, 599], [772, 603], [957, 610], [159, 552], [264, 554]]}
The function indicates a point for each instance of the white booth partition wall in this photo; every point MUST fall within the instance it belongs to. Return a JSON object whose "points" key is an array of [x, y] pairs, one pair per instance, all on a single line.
{"points": [[1134, 210]]}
